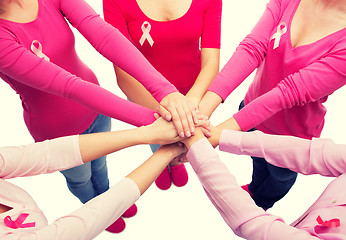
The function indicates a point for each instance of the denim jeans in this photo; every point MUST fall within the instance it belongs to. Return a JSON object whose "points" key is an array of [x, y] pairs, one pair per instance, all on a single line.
{"points": [[90, 179], [269, 183]]}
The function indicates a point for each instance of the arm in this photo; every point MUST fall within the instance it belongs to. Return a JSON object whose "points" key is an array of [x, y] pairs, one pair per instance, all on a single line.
{"points": [[210, 67], [97, 214], [210, 52], [19, 63], [307, 85], [115, 47], [248, 56], [66, 152], [235, 205], [133, 89], [316, 156]]}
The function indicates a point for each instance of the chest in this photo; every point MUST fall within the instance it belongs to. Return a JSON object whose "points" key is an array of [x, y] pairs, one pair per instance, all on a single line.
{"points": [[20, 12], [164, 10], [312, 22]]}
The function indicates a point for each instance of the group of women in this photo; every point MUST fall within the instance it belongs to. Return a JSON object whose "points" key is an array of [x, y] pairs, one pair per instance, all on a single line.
{"points": [[166, 60]]}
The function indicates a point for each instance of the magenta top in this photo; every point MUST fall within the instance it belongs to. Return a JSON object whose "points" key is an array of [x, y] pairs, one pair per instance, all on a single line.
{"points": [[292, 83], [172, 47], [316, 156], [46, 157], [59, 93]]}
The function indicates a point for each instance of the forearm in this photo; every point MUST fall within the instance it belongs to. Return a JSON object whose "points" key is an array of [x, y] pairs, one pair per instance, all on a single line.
{"points": [[146, 173], [209, 103], [209, 70], [134, 90], [93, 146]]}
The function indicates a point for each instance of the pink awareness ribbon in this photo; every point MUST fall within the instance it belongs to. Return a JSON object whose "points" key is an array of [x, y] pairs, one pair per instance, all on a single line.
{"points": [[146, 36], [36, 48], [19, 223], [333, 223], [281, 30]]}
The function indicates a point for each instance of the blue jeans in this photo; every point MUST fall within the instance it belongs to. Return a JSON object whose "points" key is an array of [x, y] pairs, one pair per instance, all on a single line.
{"points": [[154, 147], [90, 179], [269, 183]]}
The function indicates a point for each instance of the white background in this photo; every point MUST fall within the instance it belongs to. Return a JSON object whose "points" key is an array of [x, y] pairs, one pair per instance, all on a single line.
{"points": [[178, 213]]}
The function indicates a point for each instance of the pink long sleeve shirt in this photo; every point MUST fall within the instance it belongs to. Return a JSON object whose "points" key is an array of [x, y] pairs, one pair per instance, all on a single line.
{"points": [[172, 47], [46, 157], [317, 156], [291, 83], [59, 93]]}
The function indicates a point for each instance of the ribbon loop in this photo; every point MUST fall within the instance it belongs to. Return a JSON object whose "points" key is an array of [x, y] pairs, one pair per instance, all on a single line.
{"points": [[19, 223], [146, 36], [36, 48], [281, 30], [333, 223]]}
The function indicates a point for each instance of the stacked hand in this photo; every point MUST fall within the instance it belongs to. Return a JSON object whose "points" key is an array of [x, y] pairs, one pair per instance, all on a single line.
{"points": [[179, 109]]}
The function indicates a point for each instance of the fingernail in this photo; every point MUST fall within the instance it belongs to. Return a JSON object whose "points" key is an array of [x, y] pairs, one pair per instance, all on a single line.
{"points": [[192, 130], [181, 134], [188, 134]]}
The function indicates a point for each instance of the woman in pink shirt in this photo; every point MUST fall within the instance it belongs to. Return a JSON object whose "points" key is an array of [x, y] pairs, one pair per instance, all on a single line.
{"points": [[181, 39], [21, 218], [61, 95], [325, 219], [299, 50]]}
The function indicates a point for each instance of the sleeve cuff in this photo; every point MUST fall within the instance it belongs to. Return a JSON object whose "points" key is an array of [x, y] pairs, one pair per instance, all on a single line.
{"points": [[230, 141], [199, 153]]}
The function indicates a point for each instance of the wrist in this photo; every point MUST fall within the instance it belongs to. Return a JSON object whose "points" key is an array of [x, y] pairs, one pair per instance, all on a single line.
{"points": [[191, 140]]}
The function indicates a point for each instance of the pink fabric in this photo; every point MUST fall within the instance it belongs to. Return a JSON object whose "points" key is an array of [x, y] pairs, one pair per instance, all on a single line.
{"points": [[176, 49], [291, 84], [61, 97], [50, 156], [317, 156]]}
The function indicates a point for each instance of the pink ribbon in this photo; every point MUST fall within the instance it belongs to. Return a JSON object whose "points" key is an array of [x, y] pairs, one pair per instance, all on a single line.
{"points": [[281, 30], [19, 222], [333, 223]]}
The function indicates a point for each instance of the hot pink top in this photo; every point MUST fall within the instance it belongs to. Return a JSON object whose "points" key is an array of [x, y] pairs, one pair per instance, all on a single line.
{"points": [[317, 156], [172, 47], [39, 61], [46, 157], [292, 83]]}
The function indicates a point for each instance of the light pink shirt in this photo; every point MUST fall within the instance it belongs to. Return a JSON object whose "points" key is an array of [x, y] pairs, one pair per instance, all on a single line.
{"points": [[317, 156], [291, 83], [61, 96], [46, 157]]}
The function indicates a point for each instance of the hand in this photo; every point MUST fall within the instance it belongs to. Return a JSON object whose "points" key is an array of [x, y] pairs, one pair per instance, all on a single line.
{"points": [[161, 132], [178, 108], [204, 124], [180, 159]]}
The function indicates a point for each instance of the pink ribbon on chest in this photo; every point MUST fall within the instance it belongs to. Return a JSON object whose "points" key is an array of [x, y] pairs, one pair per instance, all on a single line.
{"points": [[333, 223], [19, 223], [280, 30]]}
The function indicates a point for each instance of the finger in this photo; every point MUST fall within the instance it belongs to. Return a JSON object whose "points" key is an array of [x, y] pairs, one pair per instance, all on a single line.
{"points": [[184, 119], [164, 113], [206, 132], [156, 115], [177, 123], [194, 111]]}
